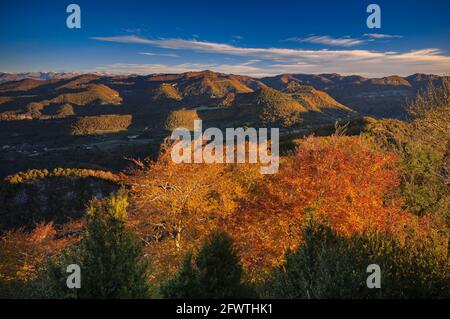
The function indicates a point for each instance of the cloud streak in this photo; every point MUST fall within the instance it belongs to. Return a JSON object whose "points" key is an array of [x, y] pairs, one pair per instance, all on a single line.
{"points": [[158, 54], [382, 36], [327, 40], [150, 68], [284, 60]]}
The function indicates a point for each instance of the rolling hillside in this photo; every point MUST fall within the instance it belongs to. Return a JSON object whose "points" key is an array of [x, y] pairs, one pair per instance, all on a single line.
{"points": [[380, 97]]}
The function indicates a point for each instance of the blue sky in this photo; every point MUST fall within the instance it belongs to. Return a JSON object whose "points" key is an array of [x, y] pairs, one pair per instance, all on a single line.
{"points": [[256, 38]]}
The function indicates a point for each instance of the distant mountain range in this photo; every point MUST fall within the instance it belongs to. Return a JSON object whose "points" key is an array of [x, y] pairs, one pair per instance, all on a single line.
{"points": [[6, 77], [247, 100], [53, 119], [322, 94], [379, 97]]}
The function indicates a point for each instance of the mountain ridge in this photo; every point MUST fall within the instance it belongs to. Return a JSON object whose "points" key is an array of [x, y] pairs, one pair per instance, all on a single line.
{"points": [[379, 97]]}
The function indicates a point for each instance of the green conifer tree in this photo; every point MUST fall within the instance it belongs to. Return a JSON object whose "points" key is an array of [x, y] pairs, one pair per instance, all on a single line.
{"points": [[109, 255], [216, 272]]}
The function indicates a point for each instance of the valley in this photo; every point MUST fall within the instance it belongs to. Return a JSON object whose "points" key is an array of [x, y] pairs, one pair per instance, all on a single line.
{"points": [[77, 135], [96, 121], [93, 121]]}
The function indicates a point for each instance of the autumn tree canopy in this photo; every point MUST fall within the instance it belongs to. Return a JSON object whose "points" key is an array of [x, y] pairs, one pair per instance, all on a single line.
{"points": [[176, 206], [343, 181]]}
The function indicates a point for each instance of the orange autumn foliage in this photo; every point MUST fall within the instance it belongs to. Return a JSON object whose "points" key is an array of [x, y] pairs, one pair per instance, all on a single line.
{"points": [[174, 207], [343, 181], [23, 254]]}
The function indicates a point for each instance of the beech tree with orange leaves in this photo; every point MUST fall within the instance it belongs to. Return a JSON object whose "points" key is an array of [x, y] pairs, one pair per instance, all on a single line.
{"points": [[23, 255], [343, 181], [174, 207]]}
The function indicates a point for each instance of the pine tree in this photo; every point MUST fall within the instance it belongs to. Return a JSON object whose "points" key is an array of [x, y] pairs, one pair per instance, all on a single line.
{"points": [[216, 272], [184, 284], [110, 256], [329, 265]]}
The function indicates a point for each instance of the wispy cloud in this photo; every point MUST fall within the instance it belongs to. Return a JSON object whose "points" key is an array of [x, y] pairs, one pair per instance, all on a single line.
{"points": [[149, 68], [124, 39], [382, 36], [249, 62], [159, 54], [327, 40], [283, 60]]}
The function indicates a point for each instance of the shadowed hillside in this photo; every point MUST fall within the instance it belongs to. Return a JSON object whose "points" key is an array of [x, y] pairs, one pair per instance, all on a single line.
{"points": [[382, 97], [45, 123]]}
